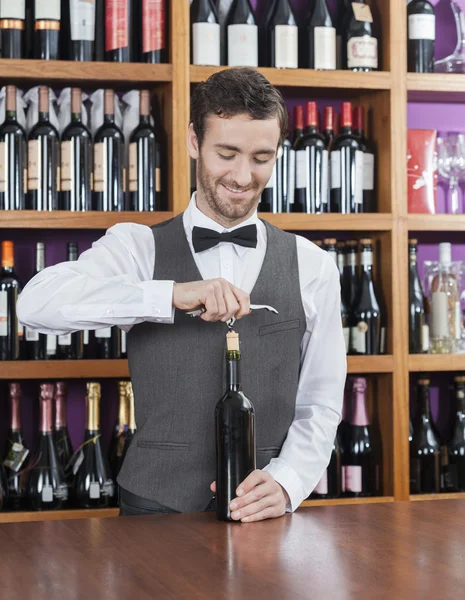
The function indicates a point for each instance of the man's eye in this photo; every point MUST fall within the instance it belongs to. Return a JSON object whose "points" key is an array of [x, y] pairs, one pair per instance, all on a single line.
{"points": [[261, 162], [226, 157]]}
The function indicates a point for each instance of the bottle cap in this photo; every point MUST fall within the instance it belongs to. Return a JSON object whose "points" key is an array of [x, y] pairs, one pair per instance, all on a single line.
{"points": [[15, 389], [312, 114], [413, 242], [329, 117], [109, 102], [46, 390], [329, 241], [445, 253], [8, 254], [144, 108], [61, 388], [44, 105], [359, 118], [366, 242], [459, 379], [424, 381], [76, 96], [10, 98], [232, 341], [346, 114], [299, 117]]}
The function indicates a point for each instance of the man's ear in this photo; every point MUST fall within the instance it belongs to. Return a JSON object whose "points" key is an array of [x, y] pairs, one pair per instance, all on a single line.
{"points": [[192, 143]]}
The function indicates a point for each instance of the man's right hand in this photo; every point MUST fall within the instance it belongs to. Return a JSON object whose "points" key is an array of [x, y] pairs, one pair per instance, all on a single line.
{"points": [[221, 299]]}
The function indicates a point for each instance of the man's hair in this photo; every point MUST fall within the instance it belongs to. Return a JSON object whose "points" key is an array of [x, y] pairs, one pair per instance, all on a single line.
{"points": [[237, 91]]}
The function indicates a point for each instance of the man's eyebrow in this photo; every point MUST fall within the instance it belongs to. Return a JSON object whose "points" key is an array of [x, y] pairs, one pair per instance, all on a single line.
{"points": [[267, 151]]}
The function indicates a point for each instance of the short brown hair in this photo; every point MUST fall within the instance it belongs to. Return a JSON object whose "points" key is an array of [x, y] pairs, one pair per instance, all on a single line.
{"points": [[237, 91]]}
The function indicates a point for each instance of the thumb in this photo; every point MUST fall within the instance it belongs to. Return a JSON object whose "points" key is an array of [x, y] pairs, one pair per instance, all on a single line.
{"points": [[213, 487]]}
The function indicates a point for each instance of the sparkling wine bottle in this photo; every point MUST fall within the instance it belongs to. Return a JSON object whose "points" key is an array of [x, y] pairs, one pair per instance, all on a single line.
{"points": [[16, 454], [329, 485], [369, 198], [350, 277], [283, 37], [242, 34], [61, 435], [418, 328], [47, 21], [330, 247], [36, 343], [455, 475], [120, 431], [12, 27], [132, 427], [71, 345], [320, 38], [205, 39], [421, 23], [11, 330], [235, 433]]}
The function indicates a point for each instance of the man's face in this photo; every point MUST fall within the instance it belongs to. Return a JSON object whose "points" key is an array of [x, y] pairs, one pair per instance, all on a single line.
{"points": [[235, 163]]}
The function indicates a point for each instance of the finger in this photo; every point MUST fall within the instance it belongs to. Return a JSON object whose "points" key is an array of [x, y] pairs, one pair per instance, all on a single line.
{"points": [[211, 306], [213, 487], [243, 299], [267, 513], [255, 478], [232, 306], [269, 502], [222, 310], [255, 495]]}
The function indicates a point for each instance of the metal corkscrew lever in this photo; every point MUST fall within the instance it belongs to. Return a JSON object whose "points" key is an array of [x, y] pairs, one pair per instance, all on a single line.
{"points": [[231, 322]]}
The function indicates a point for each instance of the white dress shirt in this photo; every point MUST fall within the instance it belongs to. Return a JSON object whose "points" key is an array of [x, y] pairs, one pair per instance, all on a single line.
{"points": [[112, 284]]}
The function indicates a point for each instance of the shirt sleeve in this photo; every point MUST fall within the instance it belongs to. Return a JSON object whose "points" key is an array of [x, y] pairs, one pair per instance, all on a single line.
{"points": [[306, 451], [110, 284]]}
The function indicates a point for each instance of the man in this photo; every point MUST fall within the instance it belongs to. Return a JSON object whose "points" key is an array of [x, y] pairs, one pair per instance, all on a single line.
{"points": [[145, 279]]}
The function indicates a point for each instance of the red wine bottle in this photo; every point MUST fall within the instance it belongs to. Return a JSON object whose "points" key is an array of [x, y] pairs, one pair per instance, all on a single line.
{"points": [[421, 36], [329, 117], [109, 172], [119, 16], [71, 345], [329, 485], [360, 45], [285, 166], [76, 160], [264, 36], [205, 38], [154, 42], [418, 328], [343, 15], [242, 34], [350, 279], [47, 21], [369, 162], [424, 447], [35, 342], [455, 476], [16, 454], [320, 38], [298, 125], [99, 45], [11, 331], [346, 168], [269, 198], [120, 431], [81, 26], [47, 488], [63, 443], [283, 37], [330, 247], [13, 157], [12, 27], [235, 433], [93, 486], [43, 159]]}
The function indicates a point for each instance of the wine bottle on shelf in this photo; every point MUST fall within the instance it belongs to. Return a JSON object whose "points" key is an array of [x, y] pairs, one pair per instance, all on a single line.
{"points": [[298, 125], [421, 23], [329, 116], [320, 38], [61, 435], [424, 447], [329, 485], [13, 157], [235, 433], [311, 186], [108, 343], [47, 21], [144, 162], [93, 486], [418, 328], [108, 161], [269, 198], [3, 488], [154, 43], [16, 453], [99, 44], [132, 427], [119, 15], [285, 166], [12, 28], [124, 344], [43, 159], [366, 335], [344, 11], [35, 342], [11, 330], [47, 488], [264, 36], [71, 345], [81, 38], [87, 336], [350, 276], [369, 198], [341, 251], [205, 39], [455, 476], [120, 431], [51, 347], [330, 247], [346, 168], [360, 46], [76, 160], [242, 34], [283, 37]]}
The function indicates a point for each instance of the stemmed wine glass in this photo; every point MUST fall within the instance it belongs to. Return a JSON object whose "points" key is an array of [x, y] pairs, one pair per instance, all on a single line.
{"points": [[455, 62], [451, 166]]}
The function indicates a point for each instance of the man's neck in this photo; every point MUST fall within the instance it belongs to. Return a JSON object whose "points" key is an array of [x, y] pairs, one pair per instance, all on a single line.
{"points": [[208, 211]]}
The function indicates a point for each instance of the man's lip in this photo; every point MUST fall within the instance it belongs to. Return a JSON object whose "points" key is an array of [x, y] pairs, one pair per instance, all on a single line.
{"points": [[234, 192]]}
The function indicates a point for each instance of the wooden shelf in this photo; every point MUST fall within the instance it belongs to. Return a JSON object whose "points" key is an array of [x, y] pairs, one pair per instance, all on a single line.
{"points": [[370, 364], [421, 497], [436, 222], [346, 501], [424, 363], [86, 73], [64, 369], [426, 87], [63, 219], [329, 222], [346, 80], [57, 515]]}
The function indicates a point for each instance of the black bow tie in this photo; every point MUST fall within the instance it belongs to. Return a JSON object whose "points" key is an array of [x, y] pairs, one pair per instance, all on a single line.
{"points": [[204, 239]]}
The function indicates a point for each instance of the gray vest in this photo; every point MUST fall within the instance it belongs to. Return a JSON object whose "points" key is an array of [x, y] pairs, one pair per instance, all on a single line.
{"points": [[178, 375]]}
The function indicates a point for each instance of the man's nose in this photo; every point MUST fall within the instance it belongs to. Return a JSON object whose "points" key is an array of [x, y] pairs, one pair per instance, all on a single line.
{"points": [[242, 174]]}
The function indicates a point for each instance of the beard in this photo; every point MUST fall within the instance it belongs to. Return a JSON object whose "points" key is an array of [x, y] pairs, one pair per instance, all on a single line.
{"points": [[227, 209]]}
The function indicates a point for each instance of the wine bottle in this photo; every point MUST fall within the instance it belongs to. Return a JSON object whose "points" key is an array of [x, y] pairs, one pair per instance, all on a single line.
{"points": [[269, 198], [61, 437], [418, 328], [343, 14], [283, 37], [11, 330], [108, 161], [71, 345], [132, 427], [346, 168], [235, 433], [51, 347], [242, 33], [366, 334], [99, 44], [329, 485], [298, 125], [311, 186], [424, 447], [369, 198], [285, 166], [154, 43], [421, 36], [13, 157], [360, 469], [47, 20], [205, 39], [76, 160], [3, 488], [144, 162], [119, 15], [350, 278], [320, 38], [47, 488], [341, 251], [35, 342], [264, 36], [43, 159], [120, 431], [124, 344], [359, 44], [329, 116], [81, 38], [12, 27], [93, 486], [16, 453], [455, 476], [108, 343], [330, 247]]}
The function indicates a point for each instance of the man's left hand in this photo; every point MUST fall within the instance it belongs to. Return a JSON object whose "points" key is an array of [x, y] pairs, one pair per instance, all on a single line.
{"points": [[262, 497]]}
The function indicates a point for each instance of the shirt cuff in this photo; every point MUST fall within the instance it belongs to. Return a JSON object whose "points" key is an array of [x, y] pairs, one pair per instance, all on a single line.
{"points": [[288, 478], [158, 301]]}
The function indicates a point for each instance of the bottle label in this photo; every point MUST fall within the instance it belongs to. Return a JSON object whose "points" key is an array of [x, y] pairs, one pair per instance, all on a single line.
{"points": [[322, 485], [243, 46], [368, 171], [302, 166], [82, 14], [286, 48], [16, 456], [94, 490], [13, 10], [133, 167], [32, 335], [362, 52], [325, 47], [335, 169], [366, 258], [46, 9], [425, 338], [33, 171], [362, 12], [99, 172], [124, 337], [3, 166], [64, 340], [116, 24], [346, 332], [352, 477], [358, 337], [458, 321], [86, 337], [3, 314], [206, 44], [439, 315], [67, 164], [104, 333], [422, 27], [47, 493], [153, 25], [359, 161], [51, 344]]}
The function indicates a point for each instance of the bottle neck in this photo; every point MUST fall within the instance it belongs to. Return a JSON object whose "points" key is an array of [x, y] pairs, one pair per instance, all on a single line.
{"points": [[145, 120], [76, 117], [311, 130], [110, 118], [7, 268], [132, 414], [10, 115], [233, 370], [367, 263], [359, 413], [46, 415], [93, 417], [44, 116], [460, 399], [424, 408], [60, 412], [359, 133], [15, 404], [346, 130], [40, 259], [122, 411]]}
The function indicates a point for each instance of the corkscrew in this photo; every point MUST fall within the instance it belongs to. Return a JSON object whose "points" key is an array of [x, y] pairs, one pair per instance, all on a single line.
{"points": [[231, 322]]}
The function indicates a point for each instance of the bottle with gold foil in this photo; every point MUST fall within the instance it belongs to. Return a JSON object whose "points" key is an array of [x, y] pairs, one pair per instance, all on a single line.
{"points": [[132, 427], [11, 331], [120, 431], [93, 485], [47, 21], [12, 26], [16, 454], [61, 434]]}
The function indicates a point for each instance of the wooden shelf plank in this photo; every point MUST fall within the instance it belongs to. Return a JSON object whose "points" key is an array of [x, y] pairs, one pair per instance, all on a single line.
{"points": [[57, 515], [421, 497], [370, 364], [436, 222], [346, 80], [64, 369], [346, 501], [329, 222], [436, 83], [423, 363], [63, 219]]}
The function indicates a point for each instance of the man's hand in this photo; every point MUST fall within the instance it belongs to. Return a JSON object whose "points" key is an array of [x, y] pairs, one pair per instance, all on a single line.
{"points": [[222, 299], [261, 498]]}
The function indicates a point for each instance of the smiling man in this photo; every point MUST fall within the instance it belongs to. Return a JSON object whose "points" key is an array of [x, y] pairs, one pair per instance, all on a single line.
{"points": [[220, 255]]}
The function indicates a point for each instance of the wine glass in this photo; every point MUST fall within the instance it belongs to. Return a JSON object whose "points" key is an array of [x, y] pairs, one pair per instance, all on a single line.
{"points": [[451, 166], [455, 62]]}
